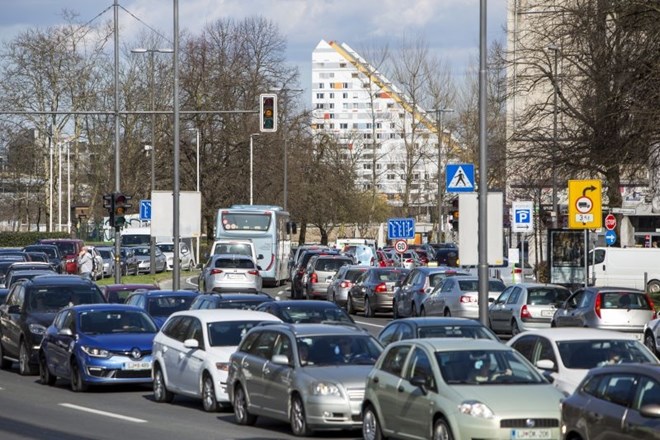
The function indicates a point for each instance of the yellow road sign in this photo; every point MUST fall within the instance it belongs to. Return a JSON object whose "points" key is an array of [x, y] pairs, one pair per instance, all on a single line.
{"points": [[585, 204]]}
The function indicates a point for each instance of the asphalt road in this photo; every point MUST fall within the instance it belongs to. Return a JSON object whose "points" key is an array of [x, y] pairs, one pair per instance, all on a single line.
{"points": [[29, 410]]}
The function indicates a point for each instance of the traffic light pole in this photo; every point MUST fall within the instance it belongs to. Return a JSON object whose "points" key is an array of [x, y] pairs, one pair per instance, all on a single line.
{"points": [[117, 137]]}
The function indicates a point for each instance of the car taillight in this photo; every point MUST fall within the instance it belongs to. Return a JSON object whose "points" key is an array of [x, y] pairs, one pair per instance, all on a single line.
{"points": [[313, 278], [650, 301], [468, 299], [524, 313], [253, 272], [381, 288], [216, 271], [301, 271], [597, 304], [409, 260], [518, 271], [345, 284]]}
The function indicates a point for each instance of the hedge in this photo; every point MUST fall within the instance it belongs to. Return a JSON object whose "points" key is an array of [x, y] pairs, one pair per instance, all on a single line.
{"points": [[21, 239]]}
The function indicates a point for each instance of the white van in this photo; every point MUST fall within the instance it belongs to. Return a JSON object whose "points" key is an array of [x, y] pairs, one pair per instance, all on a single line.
{"points": [[625, 267]]}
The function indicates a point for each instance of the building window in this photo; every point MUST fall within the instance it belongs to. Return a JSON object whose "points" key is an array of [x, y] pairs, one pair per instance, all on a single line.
{"points": [[345, 85], [331, 126], [355, 125], [354, 75], [379, 135], [366, 135], [366, 166], [379, 125], [391, 176], [331, 105], [392, 135], [330, 116], [342, 65], [319, 105], [344, 95], [343, 125], [392, 125], [369, 125], [332, 95], [319, 96]]}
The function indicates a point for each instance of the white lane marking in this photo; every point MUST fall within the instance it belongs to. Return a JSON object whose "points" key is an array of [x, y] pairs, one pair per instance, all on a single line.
{"points": [[189, 281], [103, 413], [368, 323]]}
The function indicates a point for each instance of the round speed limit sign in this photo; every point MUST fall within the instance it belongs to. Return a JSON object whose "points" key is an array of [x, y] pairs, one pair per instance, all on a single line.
{"points": [[401, 246]]}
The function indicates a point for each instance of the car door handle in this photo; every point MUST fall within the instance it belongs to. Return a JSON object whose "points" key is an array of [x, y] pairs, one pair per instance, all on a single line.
{"points": [[266, 370], [245, 364], [595, 417]]}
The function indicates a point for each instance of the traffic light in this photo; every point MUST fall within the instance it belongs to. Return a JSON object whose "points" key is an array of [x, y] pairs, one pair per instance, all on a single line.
{"points": [[109, 204], [268, 113], [121, 205], [454, 214]]}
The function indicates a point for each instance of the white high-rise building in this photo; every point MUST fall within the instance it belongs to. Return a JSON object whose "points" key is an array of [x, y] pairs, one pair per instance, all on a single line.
{"points": [[390, 140]]}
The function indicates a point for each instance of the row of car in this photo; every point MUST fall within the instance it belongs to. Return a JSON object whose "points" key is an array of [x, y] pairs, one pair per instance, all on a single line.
{"points": [[313, 375]]}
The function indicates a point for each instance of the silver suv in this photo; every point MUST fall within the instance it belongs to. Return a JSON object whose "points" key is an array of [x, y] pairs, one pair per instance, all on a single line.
{"points": [[311, 375], [319, 273]]}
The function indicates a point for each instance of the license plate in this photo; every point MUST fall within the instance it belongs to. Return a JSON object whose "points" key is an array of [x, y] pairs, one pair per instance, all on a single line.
{"points": [[550, 313], [136, 366], [518, 434], [236, 276]]}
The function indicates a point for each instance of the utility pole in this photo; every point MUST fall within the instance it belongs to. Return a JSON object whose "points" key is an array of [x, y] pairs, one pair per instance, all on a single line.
{"points": [[555, 210], [439, 112]]}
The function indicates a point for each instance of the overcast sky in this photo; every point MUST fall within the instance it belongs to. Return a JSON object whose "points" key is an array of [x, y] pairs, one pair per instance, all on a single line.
{"points": [[451, 27]]}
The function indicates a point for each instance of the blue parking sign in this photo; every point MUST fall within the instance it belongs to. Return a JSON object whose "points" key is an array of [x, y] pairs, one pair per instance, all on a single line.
{"points": [[145, 209], [523, 216]]}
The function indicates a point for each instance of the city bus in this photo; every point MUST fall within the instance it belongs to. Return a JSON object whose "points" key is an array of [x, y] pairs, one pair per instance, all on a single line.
{"points": [[268, 228]]}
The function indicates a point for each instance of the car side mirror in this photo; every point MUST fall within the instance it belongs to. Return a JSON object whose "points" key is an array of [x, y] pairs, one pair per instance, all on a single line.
{"points": [[14, 309], [65, 332], [545, 364], [191, 343], [260, 257], [490, 300], [280, 359], [259, 267], [421, 382]]}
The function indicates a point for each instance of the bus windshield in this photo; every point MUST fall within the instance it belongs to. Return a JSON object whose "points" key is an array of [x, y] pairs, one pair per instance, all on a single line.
{"points": [[246, 222]]}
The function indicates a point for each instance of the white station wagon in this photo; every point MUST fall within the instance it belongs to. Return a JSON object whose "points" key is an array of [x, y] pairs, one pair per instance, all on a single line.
{"points": [[191, 353]]}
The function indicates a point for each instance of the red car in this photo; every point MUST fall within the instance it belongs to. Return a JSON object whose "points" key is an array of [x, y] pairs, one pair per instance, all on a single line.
{"points": [[69, 249], [383, 259]]}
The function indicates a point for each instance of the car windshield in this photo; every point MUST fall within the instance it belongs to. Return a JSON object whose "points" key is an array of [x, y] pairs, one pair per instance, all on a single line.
{"points": [[231, 263], [234, 221], [302, 314], [166, 305], [106, 255], [228, 333], [142, 251], [116, 321], [486, 367], [166, 247], [53, 298], [455, 331], [52, 253], [330, 350], [583, 355]]}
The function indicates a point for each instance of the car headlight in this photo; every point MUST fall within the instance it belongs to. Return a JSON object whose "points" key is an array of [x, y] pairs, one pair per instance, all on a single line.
{"points": [[37, 329], [325, 389], [475, 408], [95, 352], [222, 366]]}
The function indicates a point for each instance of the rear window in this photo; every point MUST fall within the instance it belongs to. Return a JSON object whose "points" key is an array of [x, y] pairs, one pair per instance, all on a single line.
{"points": [[233, 248], [388, 275], [234, 264], [545, 296], [473, 286], [353, 275], [167, 305], [228, 333], [330, 265], [624, 300]]}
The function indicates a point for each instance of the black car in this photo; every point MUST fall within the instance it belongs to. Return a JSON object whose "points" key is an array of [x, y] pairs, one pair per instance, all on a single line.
{"points": [[304, 312], [244, 301], [128, 261], [3, 295], [447, 257], [31, 307], [14, 276], [5, 264], [53, 252]]}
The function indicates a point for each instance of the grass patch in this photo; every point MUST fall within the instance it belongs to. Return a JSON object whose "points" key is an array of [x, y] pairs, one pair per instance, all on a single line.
{"points": [[146, 278]]}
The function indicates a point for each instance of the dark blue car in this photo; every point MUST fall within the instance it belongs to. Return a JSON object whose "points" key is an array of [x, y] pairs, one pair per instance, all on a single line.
{"points": [[98, 344], [160, 304]]}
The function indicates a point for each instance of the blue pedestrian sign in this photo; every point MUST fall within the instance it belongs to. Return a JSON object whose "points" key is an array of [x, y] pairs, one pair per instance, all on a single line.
{"points": [[145, 209], [610, 238], [459, 177], [398, 228]]}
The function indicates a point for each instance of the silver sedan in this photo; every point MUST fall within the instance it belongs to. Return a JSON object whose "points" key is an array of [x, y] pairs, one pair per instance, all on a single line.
{"points": [[230, 272]]}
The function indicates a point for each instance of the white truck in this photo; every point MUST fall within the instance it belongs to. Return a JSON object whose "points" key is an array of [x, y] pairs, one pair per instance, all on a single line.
{"points": [[625, 267]]}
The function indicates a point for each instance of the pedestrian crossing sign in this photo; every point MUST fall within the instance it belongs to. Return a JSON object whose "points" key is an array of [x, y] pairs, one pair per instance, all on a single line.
{"points": [[459, 177]]}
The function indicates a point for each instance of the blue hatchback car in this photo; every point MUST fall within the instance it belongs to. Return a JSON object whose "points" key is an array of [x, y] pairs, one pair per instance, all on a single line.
{"points": [[160, 304], [98, 344]]}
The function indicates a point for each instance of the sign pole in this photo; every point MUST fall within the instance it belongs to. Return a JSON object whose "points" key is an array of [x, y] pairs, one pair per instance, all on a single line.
{"points": [[586, 257]]}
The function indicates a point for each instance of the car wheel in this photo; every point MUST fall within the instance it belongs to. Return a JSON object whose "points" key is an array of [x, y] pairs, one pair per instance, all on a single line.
{"points": [[44, 373], [650, 342], [78, 385], [350, 309], [447, 313], [653, 286], [370, 425], [368, 313], [441, 430], [514, 328], [208, 394], [24, 367], [161, 393], [4, 363], [243, 416], [298, 420]]}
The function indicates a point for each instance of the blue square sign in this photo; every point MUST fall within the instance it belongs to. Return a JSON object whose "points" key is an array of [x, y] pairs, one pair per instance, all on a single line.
{"points": [[523, 217], [145, 209], [398, 228]]}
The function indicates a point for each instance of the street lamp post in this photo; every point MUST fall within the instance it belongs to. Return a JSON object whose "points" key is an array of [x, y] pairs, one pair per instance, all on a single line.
{"points": [[252, 167], [555, 213], [152, 149], [439, 112]]}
